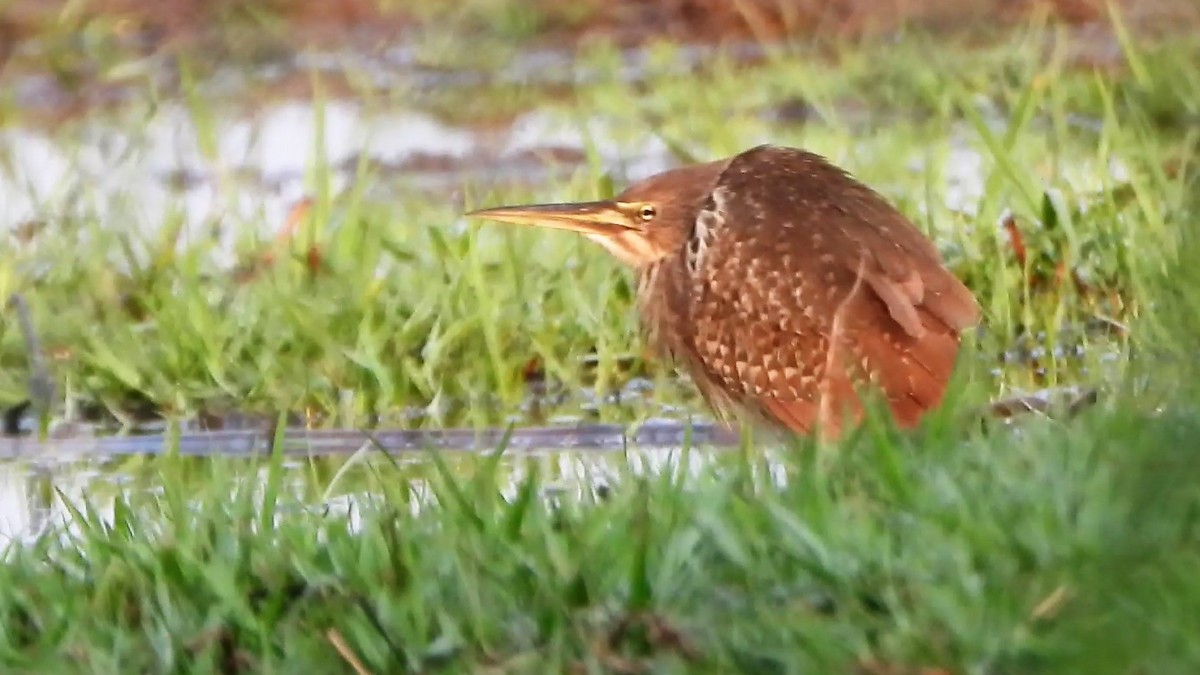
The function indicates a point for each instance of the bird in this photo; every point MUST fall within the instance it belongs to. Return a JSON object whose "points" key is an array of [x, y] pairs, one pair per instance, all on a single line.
{"points": [[787, 289]]}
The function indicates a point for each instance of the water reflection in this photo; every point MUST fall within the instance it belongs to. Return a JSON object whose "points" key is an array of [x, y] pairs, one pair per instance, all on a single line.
{"points": [[31, 505], [581, 463], [142, 172]]}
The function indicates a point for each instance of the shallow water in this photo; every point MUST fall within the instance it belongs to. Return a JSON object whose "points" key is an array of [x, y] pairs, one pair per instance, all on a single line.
{"points": [[31, 505], [150, 171], [652, 434], [580, 461], [127, 150], [144, 162]]}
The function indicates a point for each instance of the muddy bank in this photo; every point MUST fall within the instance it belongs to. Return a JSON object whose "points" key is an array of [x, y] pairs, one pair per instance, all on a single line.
{"points": [[152, 25], [59, 63]]}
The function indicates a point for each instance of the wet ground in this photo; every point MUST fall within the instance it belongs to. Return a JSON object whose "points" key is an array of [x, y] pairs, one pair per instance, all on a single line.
{"points": [[72, 136], [255, 179]]}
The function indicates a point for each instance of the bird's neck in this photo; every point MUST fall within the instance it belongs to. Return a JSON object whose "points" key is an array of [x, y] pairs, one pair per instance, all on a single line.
{"points": [[655, 309], [632, 248]]}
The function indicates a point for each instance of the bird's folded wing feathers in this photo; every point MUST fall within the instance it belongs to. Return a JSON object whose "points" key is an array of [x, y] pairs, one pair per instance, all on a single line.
{"points": [[933, 288], [826, 248], [905, 268]]}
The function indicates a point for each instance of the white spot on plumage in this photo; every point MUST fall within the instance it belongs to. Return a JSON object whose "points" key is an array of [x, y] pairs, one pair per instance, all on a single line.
{"points": [[773, 378], [704, 230]]}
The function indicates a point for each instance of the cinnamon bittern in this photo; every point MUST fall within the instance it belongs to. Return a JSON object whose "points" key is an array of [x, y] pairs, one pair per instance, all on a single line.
{"points": [[785, 287]]}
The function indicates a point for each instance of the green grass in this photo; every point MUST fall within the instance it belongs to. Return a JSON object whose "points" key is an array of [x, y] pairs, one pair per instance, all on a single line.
{"points": [[1068, 549], [1062, 546]]}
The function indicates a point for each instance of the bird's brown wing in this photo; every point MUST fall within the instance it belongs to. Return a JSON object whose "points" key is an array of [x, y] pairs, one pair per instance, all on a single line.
{"points": [[806, 282]]}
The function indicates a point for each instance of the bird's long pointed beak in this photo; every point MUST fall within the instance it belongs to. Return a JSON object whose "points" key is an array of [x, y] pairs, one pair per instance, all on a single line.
{"points": [[602, 217]]}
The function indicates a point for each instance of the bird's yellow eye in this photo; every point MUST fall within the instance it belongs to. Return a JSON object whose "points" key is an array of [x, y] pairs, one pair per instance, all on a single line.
{"points": [[647, 213]]}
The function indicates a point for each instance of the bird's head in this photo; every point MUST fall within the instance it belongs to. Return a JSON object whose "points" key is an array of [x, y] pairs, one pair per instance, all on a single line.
{"points": [[650, 220]]}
